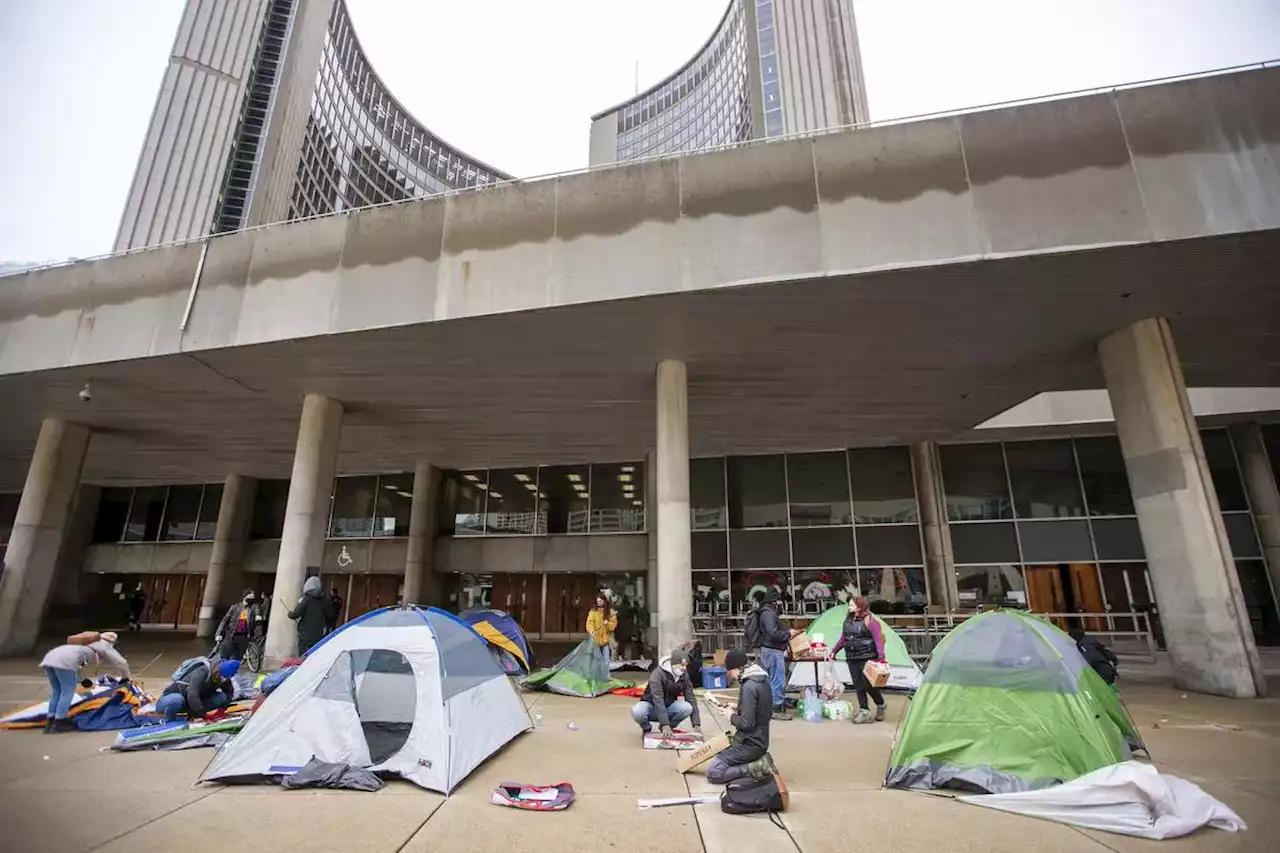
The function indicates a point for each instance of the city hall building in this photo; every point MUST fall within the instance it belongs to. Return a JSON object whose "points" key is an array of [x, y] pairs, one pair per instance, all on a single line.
{"points": [[1020, 357]]}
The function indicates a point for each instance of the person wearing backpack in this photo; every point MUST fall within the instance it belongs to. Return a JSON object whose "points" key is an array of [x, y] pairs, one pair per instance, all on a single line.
{"points": [[1098, 656], [241, 624], [199, 686], [764, 631], [749, 754], [62, 664], [311, 614]]}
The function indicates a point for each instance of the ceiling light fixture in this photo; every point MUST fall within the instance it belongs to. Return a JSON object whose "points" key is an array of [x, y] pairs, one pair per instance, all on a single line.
{"points": [[574, 478], [472, 477], [524, 478], [627, 469]]}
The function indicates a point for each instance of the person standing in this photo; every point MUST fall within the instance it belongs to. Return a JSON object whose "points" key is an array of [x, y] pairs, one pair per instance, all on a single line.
{"points": [[602, 621], [749, 753], [240, 625], [311, 614], [764, 631], [862, 641], [136, 603], [62, 664], [335, 610]]}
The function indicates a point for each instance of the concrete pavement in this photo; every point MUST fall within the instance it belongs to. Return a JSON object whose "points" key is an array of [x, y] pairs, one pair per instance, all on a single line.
{"points": [[60, 794]]}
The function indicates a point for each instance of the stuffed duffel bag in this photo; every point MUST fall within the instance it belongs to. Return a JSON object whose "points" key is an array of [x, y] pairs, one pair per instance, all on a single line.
{"points": [[754, 796]]}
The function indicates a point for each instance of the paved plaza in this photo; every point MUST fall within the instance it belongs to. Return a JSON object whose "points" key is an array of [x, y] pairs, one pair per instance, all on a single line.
{"points": [[62, 793]]}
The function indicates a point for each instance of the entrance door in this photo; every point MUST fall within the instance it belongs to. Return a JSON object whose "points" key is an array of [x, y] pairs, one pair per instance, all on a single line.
{"points": [[192, 594], [1128, 588], [521, 596], [569, 599], [342, 583], [1086, 594], [1044, 592], [173, 585]]}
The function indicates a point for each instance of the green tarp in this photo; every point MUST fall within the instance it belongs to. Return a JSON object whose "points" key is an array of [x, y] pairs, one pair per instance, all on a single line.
{"points": [[1008, 704], [583, 672]]}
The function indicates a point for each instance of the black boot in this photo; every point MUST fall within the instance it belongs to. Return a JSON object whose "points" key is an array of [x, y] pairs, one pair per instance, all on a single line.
{"points": [[62, 726], [48, 725]]}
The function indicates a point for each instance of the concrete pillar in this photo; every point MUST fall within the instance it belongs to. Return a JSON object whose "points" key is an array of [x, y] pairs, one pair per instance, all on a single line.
{"points": [[675, 580], [939, 561], [72, 591], [39, 529], [225, 581], [651, 535], [1202, 609], [421, 586], [1264, 496], [306, 517]]}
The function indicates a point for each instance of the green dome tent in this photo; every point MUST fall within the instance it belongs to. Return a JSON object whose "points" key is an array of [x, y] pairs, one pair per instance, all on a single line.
{"points": [[581, 673], [903, 672], [1008, 704]]}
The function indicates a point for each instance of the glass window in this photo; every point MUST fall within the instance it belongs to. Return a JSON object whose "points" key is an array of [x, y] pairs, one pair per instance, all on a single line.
{"points": [[893, 590], [1118, 539], [352, 513], [210, 503], [465, 491], [513, 501], [759, 549], [748, 588], [562, 495], [1241, 535], [974, 482], [814, 590], [709, 550], [1044, 479], [1258, 600], [393, 505], [818, 485], [883, 489], [1271, 440], [269, 504], [1221, 457], [9, 512], [1055, 541], [757, 491], [145, 515], [999, 586], [823, 547], [180, 514], [889, 545], [1106, 483], [113, 512], [711, 593], [617, 498], [984, 543]]}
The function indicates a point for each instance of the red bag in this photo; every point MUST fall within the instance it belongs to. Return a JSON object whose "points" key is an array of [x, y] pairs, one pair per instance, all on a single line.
{"points": [[84, 638]]}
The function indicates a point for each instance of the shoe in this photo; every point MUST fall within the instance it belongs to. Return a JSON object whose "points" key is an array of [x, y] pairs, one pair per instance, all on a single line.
{"points": [[863, 716], [779, 714], [879, 713], [48, 725], [62, 726], [762, 768]]}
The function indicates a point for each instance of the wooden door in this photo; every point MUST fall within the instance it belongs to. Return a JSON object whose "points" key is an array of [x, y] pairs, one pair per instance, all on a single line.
{"points": [[1086, 592], [1117, 593], [1044, 591], [559, 600], [521, 596], [173, 585], [358, 600], [342, 583], [1139, 581], [192, 594], [154, 586], [384, 591]]}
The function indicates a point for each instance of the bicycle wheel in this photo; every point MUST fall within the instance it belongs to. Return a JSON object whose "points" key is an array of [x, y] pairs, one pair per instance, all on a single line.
{"points": [[253, 656]]}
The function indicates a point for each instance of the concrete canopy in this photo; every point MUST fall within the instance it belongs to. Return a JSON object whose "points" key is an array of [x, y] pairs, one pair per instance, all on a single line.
{"points": [[873, 286]]}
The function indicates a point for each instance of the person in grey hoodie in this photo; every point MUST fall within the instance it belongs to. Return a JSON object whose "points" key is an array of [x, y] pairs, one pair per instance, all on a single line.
{"points": [[749, 754], [311, 614], [61, 666]]}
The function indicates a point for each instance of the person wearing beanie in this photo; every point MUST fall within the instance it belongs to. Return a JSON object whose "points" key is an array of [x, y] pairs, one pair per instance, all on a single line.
{"points": [[61, 666], [749, 753], [764, 631], [203, 686], [241, 625], [669, 699]]}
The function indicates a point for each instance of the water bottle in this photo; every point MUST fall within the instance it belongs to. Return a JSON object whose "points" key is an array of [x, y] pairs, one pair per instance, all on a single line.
{"points": [[537, 718]]}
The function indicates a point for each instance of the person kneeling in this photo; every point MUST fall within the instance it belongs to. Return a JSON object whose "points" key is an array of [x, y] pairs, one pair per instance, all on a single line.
{"points": [[749, 754], [203, 688], [662, 702]]}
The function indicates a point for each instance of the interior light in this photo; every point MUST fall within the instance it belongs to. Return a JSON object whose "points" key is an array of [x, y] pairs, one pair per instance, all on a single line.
{"points": [[624, 478], [637, 503], [531, 487], [482, 485], [524, 478], [472, 477], [627, 469], [574, 478], [497, 495]]}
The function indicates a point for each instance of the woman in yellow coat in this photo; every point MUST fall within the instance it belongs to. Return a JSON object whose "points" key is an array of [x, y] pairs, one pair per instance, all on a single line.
{"points": [[601, 623]]}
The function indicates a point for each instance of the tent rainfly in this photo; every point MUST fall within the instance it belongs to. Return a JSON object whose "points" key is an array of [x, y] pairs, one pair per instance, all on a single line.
{"points": [[506, 640], [582, 673]]}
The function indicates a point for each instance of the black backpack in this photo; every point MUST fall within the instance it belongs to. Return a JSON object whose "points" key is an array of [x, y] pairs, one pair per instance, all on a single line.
{"points": [[752, 796], [751, 629]]}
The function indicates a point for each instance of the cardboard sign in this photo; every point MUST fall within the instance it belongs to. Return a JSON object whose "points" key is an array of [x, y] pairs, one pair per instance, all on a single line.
{"points": [[681, 741], [704, 753]]}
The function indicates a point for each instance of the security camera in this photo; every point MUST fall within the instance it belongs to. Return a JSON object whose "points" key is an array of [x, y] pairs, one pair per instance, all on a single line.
{"points": [[85, 394]]}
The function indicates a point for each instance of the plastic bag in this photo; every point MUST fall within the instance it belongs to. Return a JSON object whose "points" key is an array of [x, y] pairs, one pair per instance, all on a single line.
{"points": [[837, 710], [831, 684], [812, 710]]}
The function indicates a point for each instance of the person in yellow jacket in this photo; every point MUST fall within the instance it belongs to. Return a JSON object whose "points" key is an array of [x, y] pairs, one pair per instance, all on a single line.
{"points": [[601, 623]]}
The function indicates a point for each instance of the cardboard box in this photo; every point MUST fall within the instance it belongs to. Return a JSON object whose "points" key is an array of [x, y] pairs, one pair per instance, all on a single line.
{"points": [[704, 753], [719, 656], [680, 741], [877, 673], [799, 645]]}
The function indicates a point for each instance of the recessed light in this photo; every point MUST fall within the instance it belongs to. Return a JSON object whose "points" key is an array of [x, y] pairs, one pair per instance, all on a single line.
{"points": [[472, 477], [624, 478], [574, 478], [637, 503], [524, 478], [497, 495], [627, 469], [482, 485]]}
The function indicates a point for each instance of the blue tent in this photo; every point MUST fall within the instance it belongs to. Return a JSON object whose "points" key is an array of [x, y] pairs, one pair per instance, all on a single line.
{"points": [[505, 639]]}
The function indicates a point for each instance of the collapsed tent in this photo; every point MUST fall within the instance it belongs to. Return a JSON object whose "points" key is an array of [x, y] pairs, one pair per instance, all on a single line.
{"points": [[106, 706], [1008, 704], [506, 641], [904, 674], [581, 673], [400, 691], [179, 735]]}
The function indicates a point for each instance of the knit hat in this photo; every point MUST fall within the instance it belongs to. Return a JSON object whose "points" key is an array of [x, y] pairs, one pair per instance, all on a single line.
{"points": [[228, 668], [109, 636], [679, 657], [736, 659]]}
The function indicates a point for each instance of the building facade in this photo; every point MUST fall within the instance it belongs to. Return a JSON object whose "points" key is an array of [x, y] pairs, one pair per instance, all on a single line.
{"points": [[270, 110], [771, 68]]}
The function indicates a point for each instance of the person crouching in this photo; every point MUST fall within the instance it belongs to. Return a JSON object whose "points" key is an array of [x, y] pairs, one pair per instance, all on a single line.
{"points": [[206, 687], [749, 753], [669, 699]]}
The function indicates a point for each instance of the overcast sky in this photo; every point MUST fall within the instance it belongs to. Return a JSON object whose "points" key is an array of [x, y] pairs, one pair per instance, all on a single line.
{"points": [[514, 82]]}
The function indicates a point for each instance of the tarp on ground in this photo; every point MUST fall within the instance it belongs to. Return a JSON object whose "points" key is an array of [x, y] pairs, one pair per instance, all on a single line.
{"points": [[178, 735], [582, 673], [106, 706], [1008, 704], [904, 673], [505, 638]]}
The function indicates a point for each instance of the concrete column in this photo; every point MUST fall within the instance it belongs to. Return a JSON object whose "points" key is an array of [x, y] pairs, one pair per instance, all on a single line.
{"points": [[306, 516], [421, 586], [1202, 609], [39, 529], [651, 535], [1264, 496], [72, 591], [675, 581], [225, 583], [939, 561]]}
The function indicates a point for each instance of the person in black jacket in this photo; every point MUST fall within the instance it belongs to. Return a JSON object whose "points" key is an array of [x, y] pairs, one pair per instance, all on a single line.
{"points": [[1098, 656], [669, 699], [240, 625], [773, 641], [207, 687], [311, 614], [749, 754]]}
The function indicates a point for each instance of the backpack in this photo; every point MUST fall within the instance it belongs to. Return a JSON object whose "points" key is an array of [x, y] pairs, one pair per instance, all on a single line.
{"points": [[751, 629], [754, 796], [188, 666]]}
